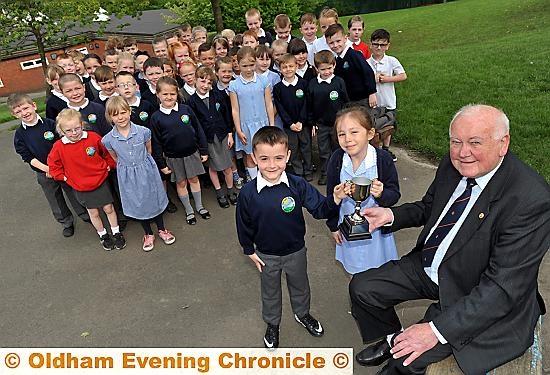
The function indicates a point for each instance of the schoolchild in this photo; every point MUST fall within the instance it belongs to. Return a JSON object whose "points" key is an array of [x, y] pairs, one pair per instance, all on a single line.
{"points": [[221, 46], [141, 109], [170, 70], [94, 113], [33, 141], [298, 48], [283, 28], [356, 26], [207, 55], [153, 69], [178, 136], [114, 42], [180, 51], [111, 58], [199, 34], [141, 191], [105, 78], [291, 103], [357, 158], [160, 47], [126, 63], [195, 48], [229, 35], [271, 229], [80, 159], [56, 101], [351, 66], [254, 24], [263, 63], [279, 48], [326, 96], [66, 62], [251, 105], [214, 115], [250, 39], [327, 16], [308, 29], [186, 33], [91, 62], [187, 74], [129, 44], [80, 69], [141, 57], [388, 70], [224, 73], [234, 61]]}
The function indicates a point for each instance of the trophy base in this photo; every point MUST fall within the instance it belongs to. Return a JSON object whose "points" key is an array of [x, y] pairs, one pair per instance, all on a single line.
{"points": [[353, 231]]}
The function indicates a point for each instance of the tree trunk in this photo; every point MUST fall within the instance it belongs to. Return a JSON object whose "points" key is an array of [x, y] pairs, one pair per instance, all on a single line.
{"points": [[42, 53], [217, 11]]}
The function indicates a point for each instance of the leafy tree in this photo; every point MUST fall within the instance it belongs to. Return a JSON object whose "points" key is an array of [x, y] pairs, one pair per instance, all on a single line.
{"points": [[47, 22]]}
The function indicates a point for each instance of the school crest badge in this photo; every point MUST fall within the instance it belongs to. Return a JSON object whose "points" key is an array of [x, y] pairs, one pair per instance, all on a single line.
{"points": [[299, 93], [92, 118], [90, 151], [143, 116], [288, 204], [333, 95], [185, 119], [48, 136]]}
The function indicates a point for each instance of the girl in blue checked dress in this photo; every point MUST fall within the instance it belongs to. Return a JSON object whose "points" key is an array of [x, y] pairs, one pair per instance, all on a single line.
{"points": [[141, 190], [251, 105], [357, 158]]}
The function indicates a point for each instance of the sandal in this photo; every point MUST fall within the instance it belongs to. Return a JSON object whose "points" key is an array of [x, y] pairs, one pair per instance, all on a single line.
{"points": [[204, 213], [191, 220]]}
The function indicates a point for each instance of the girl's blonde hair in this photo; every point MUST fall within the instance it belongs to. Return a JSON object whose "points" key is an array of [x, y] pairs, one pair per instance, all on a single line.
{"points": [[114, 105], [53, 71], [65, 115]]}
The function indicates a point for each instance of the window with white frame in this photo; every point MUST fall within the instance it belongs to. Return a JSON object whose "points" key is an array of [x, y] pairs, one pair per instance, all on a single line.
{"points": [[84, 50], [31, 64], [1, 83]]}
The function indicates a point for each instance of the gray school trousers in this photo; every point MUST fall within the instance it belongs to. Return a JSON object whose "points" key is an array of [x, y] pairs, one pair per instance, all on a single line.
{"points": [[53, 190], [295, 267]]}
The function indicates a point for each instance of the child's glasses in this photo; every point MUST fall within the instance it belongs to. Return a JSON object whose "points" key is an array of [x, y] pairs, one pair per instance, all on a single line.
{"points": [[124, 85], [73, 131], [379, 45]]}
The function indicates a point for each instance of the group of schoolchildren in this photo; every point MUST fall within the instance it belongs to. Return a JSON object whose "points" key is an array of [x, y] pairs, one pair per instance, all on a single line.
{"points": [[119, 130]]}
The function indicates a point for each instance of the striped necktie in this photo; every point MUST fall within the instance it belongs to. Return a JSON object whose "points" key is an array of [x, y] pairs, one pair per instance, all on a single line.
{"points": [[446, 224]]}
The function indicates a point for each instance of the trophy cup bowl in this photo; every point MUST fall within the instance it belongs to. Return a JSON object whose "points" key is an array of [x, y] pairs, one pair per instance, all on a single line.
{"points": [[355, 226]]}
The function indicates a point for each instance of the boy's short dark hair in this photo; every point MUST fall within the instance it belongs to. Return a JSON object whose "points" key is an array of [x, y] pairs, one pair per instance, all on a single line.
{"points": [[142, 53], [237, 40], [186, 27], [356, 19], [205, 47], [281, 21], [222, 60], [104, 73], [124, 73], [129, 41], [205, 72], [111, 52], [263, 50], [324, 57], [380, 34], [297, 46], [233, 51], [91, 56], [17, 99], [153, 62], [68, 77], [159, 39], [270, 135], [334, 29], [287, 58], [308, 18]]}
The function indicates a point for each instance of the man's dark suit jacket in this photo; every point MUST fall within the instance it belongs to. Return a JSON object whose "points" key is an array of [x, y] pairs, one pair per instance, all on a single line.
{"points": [[488, 290]]}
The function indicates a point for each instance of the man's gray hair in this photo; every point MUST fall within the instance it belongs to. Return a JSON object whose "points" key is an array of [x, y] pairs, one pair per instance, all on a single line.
{"points": [[502, 123]]}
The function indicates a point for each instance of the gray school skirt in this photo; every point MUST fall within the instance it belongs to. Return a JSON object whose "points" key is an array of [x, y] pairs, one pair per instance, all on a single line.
{"points": [[186, 167], [95, 198], [219, 155]]}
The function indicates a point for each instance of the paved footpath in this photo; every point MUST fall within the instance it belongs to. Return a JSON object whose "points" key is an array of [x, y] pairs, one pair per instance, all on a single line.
{"points": [[199, 292]]}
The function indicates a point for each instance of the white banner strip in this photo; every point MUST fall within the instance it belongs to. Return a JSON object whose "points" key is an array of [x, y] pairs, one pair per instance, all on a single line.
{"points": [[212, 361]]}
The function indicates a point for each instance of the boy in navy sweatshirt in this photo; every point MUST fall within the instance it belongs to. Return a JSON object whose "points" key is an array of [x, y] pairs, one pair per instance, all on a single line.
{"points": [[290, 100], [271, 230], [351, 66], [33, 141]]}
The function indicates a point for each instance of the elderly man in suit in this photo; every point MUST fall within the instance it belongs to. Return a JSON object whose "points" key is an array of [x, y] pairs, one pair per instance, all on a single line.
{"points": [[486, 228]]}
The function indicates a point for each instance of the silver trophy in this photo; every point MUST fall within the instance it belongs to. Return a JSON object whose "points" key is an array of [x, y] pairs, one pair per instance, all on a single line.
{"points": [[355, 226]]}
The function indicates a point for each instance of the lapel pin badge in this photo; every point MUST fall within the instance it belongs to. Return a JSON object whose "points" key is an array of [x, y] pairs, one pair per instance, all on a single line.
{"points": [[481, 215]]}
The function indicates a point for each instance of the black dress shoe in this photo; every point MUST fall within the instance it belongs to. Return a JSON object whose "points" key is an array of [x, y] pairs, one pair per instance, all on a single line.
{"points": [[69, 231], [374, 355]]}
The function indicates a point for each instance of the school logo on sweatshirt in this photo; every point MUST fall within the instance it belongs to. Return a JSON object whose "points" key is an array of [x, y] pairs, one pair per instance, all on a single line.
{"points": [[143, 116], [333, 95], [299, 93], [48, 136], [185, 119], [288, 204], [90, 151], [217, 106], [92, 118], [346, 65]]}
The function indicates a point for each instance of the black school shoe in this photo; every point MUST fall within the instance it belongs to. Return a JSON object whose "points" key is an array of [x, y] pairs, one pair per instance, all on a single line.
{"points": [[107, 242], [119, 241], [233, 198], [222, 201], [271, 337], [204, 213], [311, 324], [171, 208], [69, 231]]}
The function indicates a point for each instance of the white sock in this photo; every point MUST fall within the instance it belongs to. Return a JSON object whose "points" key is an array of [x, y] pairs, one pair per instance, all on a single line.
{"points": [[115, 230], [103, 232], [253, 172]]}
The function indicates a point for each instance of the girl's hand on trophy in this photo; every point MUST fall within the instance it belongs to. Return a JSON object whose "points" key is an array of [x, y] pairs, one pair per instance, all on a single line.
{"points": [[341, 191], [376, 188], [337, 237]]}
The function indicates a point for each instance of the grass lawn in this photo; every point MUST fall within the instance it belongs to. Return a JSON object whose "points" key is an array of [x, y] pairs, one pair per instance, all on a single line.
{"points": [[470, 51], [5, 114]]}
